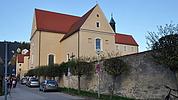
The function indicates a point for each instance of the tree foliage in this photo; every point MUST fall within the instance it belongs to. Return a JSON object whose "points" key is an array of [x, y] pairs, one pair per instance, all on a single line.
{"points": [[114, 67], [50, 71], [164, 44], [81, 66]]}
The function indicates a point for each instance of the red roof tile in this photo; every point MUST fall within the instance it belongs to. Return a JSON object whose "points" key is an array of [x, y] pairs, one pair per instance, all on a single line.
{"points": [[54, 22], [76, 26], [20, 58], [125, 39]]}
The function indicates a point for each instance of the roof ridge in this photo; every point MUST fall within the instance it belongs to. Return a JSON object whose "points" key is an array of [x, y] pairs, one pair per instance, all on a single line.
{"points": [[55, 12], [75, 27], [123, 34]]}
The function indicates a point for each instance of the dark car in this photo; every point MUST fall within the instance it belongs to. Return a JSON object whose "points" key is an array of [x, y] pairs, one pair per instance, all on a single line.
{"points": [[23, 80], [48, 85], [33, 82]]}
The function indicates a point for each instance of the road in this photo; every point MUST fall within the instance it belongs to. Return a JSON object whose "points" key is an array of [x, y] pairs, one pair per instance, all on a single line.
{"points": [[22, 92]]}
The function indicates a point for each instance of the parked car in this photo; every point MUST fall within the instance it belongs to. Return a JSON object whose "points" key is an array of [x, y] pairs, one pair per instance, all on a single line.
{"points": [[23, 80], [48, 85], [33, 82]]}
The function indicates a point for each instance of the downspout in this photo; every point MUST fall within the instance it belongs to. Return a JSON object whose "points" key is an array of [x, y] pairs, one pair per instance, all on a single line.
{"points": [[39, 47], [78, 44]]}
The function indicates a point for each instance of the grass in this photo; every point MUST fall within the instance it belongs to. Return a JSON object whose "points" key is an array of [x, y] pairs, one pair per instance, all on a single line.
{"points": [[91, 94]]}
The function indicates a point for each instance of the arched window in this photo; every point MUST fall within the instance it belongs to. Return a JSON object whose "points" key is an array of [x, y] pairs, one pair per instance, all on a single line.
{"points": [[98, 44], [51, 59]]}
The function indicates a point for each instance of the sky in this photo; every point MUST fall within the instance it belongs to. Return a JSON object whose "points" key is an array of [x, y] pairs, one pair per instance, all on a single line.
{"points": [[133, 17]]}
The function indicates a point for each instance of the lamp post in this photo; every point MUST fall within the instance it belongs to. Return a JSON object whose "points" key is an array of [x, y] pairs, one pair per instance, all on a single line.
{"points": [[5, 71], [68, 70], [98, 51]]}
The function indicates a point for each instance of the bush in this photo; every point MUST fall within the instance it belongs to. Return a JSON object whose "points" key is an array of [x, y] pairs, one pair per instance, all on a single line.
{"points": [[50, 71]]}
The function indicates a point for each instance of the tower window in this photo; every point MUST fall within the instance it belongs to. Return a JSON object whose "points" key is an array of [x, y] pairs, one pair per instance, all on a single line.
{"points": [[97, 24], [97, 15]]}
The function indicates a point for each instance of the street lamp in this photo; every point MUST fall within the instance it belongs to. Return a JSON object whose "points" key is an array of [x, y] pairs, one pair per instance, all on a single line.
{"points": [[98, 51], [5, 71]]}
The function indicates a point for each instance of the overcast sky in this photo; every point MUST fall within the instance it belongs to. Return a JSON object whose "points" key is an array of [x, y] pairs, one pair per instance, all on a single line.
{"points": [[133, 17]]}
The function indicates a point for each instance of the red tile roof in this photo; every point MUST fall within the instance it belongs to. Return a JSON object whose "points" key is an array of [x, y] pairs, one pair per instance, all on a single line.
{"points": [[20, 58], [125, 39], [60, 23], [76, 26], [54, 22]]}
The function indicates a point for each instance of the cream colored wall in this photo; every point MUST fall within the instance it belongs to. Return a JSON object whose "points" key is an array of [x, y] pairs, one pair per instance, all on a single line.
{"points": [[34, 50], [50, 44], [69, 46], [33, 26], [90, 23], [126, 49], [23, 66], [18, 67], [89, 30], [88, 40]]}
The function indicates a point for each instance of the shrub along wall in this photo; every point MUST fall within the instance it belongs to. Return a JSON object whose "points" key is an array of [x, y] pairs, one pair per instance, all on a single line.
{"points": [[49, 71]]}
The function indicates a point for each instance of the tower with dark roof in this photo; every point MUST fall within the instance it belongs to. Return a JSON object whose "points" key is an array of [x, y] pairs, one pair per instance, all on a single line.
{"points": [[112, 23]]}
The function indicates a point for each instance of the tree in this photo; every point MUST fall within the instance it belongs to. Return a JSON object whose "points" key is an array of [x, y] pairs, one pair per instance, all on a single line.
{"points": [[114, 67], [80, 67], [164, 45], [24, 45]]}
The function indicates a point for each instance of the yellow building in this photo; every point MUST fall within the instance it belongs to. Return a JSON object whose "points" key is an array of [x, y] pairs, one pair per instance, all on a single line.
{"points": [[57, 36], [22, 64]]}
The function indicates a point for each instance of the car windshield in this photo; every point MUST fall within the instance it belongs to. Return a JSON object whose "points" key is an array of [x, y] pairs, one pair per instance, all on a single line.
{"points": [[51, 82], [34, 79]]}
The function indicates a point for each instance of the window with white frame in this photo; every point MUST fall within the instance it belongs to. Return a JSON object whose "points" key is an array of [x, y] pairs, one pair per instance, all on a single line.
{"points": [[117, 47], [98, 44], [124, 48], [50, 59]]}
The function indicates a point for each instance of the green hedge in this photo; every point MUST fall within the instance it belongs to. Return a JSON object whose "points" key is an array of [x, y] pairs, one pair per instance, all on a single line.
{"points": [[50, 71]]}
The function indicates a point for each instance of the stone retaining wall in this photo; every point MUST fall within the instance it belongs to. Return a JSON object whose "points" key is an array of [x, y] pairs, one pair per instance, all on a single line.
{"points": [[144, 80]]}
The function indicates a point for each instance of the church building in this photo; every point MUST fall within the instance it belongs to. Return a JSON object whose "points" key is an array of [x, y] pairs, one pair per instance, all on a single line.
{"points": [[55, 37]]}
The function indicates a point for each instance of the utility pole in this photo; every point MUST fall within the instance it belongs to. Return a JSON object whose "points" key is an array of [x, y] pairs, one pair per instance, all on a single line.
{"points": [[98, 70], [5, 70]]}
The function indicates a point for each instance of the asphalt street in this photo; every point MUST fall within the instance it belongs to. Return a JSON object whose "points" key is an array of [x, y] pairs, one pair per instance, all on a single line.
{"points": [[22, 92]]}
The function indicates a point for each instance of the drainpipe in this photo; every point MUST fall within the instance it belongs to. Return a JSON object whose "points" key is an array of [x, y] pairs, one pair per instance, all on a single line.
{"points": [[78, 44], [39, 47]]}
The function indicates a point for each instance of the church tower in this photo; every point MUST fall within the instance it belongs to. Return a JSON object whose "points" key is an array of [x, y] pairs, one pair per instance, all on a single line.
{"points": [[112, 23]]}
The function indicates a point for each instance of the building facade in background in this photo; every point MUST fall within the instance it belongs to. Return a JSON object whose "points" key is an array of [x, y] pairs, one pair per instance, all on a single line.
{"points": [[55, 37], [22, 64]]}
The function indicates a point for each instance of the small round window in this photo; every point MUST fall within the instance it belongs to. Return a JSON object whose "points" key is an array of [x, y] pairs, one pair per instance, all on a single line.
{"points": [[97, 15]]}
